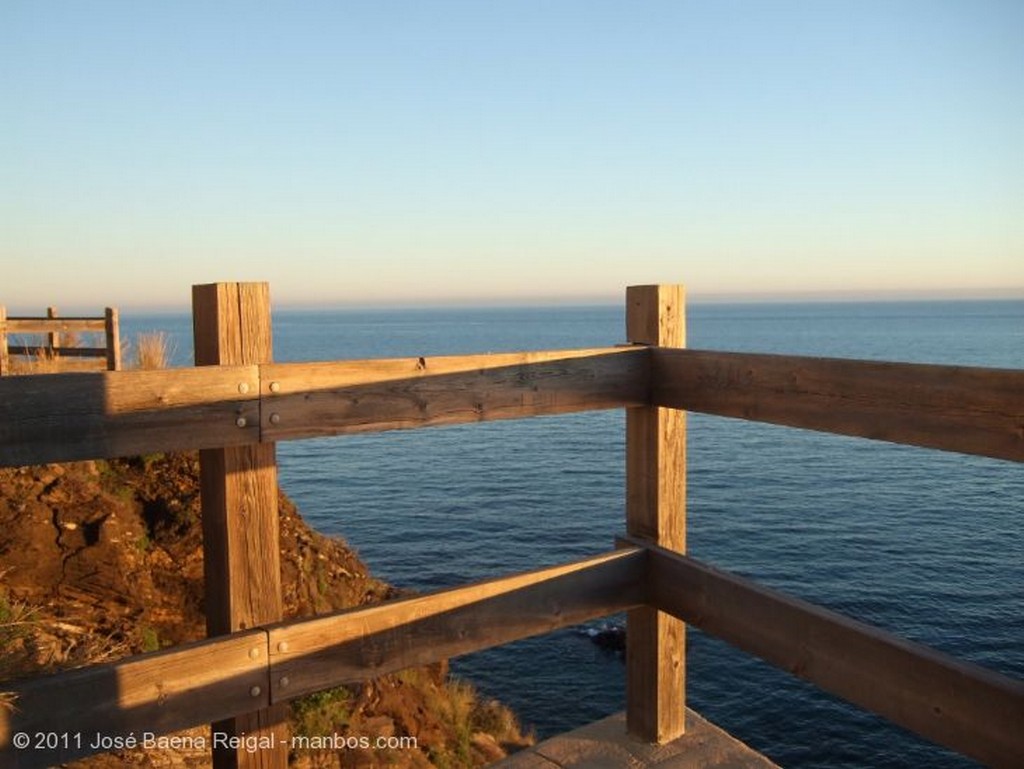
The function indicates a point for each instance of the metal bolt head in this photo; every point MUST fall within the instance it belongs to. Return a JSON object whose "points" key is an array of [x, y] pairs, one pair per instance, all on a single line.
{"points": [[241, 422], [275, 387], [255, 691], [243, 388], [275, 419]]}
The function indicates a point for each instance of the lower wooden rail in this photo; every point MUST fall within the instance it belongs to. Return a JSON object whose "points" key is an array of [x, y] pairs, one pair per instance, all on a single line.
{"points": [[357, 645], [64, 715], [957, 704], [104, 707], [962, 706]]}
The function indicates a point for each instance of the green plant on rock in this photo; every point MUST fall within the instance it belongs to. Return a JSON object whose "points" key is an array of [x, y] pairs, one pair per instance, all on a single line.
{"points": [[322, 712], [17, 619], [149, 638]]}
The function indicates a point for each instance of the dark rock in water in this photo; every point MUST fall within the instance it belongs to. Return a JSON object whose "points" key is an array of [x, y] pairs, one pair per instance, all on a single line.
{"points": [[609, 637]]}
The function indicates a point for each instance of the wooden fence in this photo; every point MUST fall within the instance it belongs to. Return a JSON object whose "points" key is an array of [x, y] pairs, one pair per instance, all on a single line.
{"points": [[236, 404], [56, 330]]}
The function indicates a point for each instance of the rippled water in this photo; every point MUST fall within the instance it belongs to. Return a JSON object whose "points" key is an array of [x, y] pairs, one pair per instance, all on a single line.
{"points": [[926, 544]]}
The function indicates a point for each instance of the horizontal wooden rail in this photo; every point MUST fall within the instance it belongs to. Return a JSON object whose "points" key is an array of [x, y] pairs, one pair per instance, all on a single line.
{"points": [[21, 325], [152, 694], [45, 418], [360, 644], [88, 416], [83, 416], [965, 707], [64, 352], [955, 408], [305, 400], [220, 677]]}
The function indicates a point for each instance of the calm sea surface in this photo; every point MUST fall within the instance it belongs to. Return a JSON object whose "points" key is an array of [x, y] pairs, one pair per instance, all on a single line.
{"points": [[924, 543]]}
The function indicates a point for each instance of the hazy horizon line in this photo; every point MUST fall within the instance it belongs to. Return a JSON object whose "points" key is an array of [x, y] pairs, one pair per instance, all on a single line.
{"points": [[597, 300]]}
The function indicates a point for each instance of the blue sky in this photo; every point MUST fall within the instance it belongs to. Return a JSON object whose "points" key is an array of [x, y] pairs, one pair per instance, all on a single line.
{"points": [[422, 152]]}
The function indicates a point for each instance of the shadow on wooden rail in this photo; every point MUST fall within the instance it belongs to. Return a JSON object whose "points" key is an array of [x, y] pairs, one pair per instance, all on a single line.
{"points": [[90, 416], [957, 704], [95, 415], [211, 680]]}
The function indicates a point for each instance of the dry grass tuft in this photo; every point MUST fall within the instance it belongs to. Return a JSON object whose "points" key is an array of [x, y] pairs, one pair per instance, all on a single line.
{"points": [[43, 362], [47, 360], [152, 351]]}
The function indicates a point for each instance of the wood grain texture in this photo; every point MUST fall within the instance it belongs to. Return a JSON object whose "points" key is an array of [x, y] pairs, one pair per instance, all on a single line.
{"points": [[231, 323], [304, 400], [219, 677], [955, 408], [359, 644], [241, 550], [656, 315], [67, 417], [63, 352], [53, 338], [965, 707], [85, 416], [156, 693], [23, 325], [112, 334], [656, 512]]}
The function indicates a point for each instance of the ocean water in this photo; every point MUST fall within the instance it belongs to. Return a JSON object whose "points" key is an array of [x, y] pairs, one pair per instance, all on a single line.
{"points": [[923, 543]]}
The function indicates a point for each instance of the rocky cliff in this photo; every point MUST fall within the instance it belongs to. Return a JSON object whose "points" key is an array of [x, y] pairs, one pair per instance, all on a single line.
{"points": [[100, 560]]}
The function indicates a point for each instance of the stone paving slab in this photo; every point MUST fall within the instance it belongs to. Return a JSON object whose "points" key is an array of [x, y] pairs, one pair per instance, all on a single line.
{"points": [[604, 744]]}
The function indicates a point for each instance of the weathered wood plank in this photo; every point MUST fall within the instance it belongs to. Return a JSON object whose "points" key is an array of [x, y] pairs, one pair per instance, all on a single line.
{"points": [[153, 693], [23, 325], [957, 704], [304, 400], [241, 552], [63, 352], [355, 645], [45, 418], [53, 338], [84, 416], [112, 329], [955, 408], [656, 512]]}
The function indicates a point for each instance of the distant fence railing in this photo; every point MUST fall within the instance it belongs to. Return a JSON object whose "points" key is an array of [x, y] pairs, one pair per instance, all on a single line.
{"points": [[236, 404], [56, 331]]}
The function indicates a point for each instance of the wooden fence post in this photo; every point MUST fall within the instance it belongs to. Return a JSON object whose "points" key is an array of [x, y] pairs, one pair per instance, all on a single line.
{"points": [[5, 361], [53, 338], [231, 325], [113, 334], [656, 511]]}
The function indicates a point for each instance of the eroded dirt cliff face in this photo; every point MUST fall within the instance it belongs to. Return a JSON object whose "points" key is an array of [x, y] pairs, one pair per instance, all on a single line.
{"points": [[104, 559]]}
